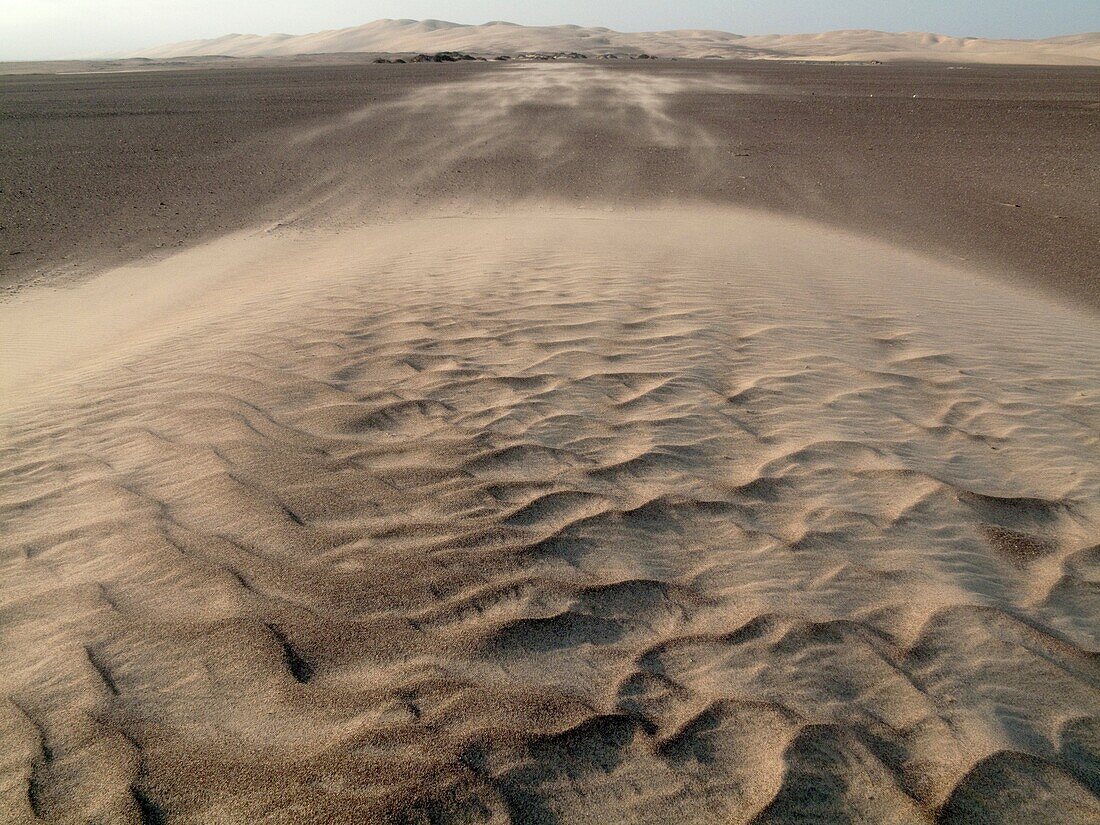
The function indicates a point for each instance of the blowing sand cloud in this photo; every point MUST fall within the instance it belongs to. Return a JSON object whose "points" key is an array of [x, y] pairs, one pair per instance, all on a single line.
{"points": [[537, 118]]}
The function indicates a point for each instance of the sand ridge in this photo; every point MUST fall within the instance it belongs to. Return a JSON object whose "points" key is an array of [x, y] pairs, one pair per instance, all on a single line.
{"points": [[557, 514], [502, 38]]}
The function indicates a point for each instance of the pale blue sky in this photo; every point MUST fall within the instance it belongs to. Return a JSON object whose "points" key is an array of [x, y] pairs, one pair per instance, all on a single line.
{"points": [[45, 29]]}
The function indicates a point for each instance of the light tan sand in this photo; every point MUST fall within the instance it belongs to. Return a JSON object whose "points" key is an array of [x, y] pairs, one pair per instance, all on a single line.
{"points": [[552, 514], [496, 38]]}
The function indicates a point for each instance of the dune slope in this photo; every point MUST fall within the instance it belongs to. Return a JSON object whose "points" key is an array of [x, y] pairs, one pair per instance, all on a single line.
{"points": [[558, 516]]}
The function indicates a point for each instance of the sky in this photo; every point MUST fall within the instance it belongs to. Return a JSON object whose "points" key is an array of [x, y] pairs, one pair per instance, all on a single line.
{"points": [[56, 29]]}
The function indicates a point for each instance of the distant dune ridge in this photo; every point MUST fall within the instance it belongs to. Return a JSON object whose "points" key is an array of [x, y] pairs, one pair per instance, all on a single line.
{"points": [[498, 38]]}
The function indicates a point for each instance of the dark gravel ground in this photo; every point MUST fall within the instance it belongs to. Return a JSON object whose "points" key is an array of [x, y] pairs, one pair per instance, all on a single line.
{"points": [[999, 166]]}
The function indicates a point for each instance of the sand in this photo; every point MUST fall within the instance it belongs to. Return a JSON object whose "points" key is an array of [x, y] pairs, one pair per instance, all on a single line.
{"points": [[503, 38], [561, 509]]}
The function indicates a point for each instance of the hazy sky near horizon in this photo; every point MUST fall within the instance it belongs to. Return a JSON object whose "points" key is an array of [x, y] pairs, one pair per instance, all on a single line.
{"points": [[51, 29]]}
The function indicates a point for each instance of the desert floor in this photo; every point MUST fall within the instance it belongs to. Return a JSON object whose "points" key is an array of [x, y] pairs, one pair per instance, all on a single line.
{"points": [[687, 442]]}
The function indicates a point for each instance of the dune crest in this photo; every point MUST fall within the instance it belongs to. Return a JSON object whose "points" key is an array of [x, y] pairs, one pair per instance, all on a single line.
{"points": [[501, 38]]}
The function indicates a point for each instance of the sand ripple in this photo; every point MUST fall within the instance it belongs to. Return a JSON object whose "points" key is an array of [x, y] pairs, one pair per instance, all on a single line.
{"points": [[571, 517]]}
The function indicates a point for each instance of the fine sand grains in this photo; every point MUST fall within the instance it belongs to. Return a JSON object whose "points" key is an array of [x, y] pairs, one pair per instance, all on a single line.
{"points": [[552, 516]]}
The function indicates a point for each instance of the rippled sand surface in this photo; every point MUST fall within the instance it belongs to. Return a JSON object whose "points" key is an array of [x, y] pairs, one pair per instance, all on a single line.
{"points": [[553, 515]]}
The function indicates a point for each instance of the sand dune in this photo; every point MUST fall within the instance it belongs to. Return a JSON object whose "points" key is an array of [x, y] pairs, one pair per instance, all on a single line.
{"points": [[508, 509], [496, 38], [568, 514]]}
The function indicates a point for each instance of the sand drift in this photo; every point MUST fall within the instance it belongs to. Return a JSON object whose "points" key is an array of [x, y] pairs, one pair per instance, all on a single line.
{"points": [[517, 133], [555, 514]]}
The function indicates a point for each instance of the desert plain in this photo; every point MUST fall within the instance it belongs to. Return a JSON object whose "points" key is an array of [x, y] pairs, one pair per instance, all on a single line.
{"points": [[551, 442]]}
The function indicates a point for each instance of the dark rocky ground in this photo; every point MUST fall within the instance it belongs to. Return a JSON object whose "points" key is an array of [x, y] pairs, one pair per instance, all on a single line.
{"points": [[996, 165]]}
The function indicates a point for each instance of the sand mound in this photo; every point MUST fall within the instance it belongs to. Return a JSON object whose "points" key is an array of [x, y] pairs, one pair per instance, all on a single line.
{"points": [[497, 38], [552, 515]]}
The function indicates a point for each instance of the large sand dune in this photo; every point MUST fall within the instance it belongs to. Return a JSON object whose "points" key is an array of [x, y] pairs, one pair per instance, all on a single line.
{"points": [[500, 509], [500, 38]]}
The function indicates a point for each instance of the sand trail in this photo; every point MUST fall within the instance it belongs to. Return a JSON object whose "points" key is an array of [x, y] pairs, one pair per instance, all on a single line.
{"points": [[555, 515], [525, 133]]}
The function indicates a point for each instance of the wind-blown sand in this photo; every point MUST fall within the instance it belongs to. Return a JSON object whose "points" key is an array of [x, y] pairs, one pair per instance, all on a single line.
{"points": [[998, 168], [498, 37], [507, 509]]}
